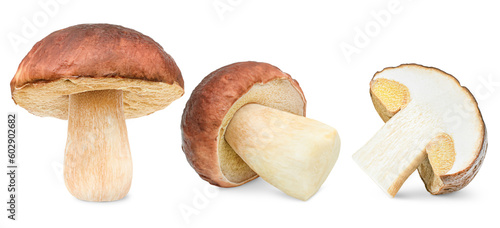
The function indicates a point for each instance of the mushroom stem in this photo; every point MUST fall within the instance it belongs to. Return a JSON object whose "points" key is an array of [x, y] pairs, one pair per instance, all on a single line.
{"points": [[293, 153], [97, 160], [399, 147]]}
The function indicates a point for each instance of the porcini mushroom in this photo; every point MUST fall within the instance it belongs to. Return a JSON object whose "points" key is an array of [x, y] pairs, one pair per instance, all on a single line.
{"points": [[432, 123], [246, 119], [96, 75]]}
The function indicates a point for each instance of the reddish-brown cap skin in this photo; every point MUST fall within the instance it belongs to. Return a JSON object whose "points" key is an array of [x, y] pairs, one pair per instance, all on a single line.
{"points": [[96, 50], [208, 105]]}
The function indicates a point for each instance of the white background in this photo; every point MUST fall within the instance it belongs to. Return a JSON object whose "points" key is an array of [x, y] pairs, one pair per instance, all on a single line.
{"points": [[303, 38]]}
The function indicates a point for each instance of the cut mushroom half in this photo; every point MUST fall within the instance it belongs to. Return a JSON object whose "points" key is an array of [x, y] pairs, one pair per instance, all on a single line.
{"points": [[96, 76], [246, 119], [433, 124]]}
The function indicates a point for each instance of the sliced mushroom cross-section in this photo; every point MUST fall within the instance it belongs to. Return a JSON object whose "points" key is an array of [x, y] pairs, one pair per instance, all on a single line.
{"points": [[433, 124]]}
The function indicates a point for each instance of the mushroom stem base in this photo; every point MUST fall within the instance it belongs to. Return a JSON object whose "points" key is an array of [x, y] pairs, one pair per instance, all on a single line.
{"points": [[97, 160], [398, 148], [293, 153]]}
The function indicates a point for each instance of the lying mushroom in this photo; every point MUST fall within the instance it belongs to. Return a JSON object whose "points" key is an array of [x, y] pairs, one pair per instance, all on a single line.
{"points": [[96, 75], [432, 123], [246, 119]]}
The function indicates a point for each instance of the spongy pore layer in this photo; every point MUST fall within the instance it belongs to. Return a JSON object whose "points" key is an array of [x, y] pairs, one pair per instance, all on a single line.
{"points": [[140, 97]]}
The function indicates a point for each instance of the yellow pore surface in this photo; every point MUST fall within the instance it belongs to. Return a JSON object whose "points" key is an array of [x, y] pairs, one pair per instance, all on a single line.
{"points": [[441, 153], [393, 95]]}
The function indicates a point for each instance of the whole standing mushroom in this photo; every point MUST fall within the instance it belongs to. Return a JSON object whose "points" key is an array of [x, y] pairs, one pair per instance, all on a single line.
{"points": [[246, 119], [96, 75], [432, 123]]}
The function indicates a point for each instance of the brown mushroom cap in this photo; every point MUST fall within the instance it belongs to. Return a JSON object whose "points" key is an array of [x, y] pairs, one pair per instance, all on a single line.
{"points": [[90, 57], [211, 107]]}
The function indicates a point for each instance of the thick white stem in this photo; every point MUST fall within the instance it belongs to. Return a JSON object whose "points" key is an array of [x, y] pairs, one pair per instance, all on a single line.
{"points": [[397, 149], [97, 160], [291, 152]]}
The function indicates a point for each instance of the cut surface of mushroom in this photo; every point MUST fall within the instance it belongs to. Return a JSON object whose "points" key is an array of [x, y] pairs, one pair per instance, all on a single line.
{"points": [[397, 149], [432, 123], [97, 160], [291, 152]]}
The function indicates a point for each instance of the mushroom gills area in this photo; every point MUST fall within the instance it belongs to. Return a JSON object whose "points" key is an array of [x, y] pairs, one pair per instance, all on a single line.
{"points": [[97, 160], [408, 139], [293, 153], [389, 97]]}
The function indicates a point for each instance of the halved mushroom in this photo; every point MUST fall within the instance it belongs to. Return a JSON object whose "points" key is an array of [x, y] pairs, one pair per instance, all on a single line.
{"points": [[96, 75], [432, 123], [247, 119]]}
